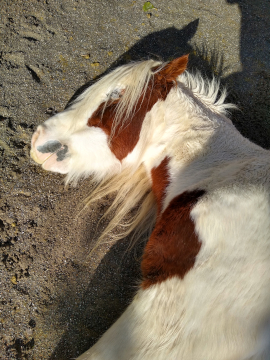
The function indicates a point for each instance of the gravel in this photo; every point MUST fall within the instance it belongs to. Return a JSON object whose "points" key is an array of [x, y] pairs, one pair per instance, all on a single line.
{"points": [[55, 300]]}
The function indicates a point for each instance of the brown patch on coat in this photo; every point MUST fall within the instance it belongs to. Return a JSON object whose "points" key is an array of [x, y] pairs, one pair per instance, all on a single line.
{"points": [[126, 137], [173, 244], [160, 181]]}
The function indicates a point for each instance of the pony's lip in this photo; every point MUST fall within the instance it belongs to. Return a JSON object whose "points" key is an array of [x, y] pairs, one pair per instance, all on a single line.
{"points": [[36, 159], [48, 158]]}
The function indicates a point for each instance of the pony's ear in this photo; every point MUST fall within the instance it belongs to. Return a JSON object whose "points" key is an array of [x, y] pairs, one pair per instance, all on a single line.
{"points": [[174, 68]]}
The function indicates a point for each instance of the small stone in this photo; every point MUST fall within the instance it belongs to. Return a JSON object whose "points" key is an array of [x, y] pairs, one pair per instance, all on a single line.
{"points": [[25, 193], [86, 56], [4, 113], [14, 280]]}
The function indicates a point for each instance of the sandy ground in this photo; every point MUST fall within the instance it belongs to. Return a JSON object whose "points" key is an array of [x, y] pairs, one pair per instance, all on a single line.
{"points": [[54, 303]]}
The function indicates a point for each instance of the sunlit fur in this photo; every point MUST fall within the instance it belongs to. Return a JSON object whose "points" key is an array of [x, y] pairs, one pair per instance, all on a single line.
{"points": [[132, 191], [219, 308], [133, 183], [133, 78], [207, 91], [129, 180]]}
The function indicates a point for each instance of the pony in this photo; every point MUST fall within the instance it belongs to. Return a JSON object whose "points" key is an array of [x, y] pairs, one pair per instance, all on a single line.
{"points": [[159, 136]]}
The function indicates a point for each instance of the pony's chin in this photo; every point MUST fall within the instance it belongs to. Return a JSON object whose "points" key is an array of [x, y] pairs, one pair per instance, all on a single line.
{"points": [[35, 157], [52, 164]]}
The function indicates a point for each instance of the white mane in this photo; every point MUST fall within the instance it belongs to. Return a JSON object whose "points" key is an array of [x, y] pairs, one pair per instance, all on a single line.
{"points": [[207, 91], [133, 184], [133, 78]]}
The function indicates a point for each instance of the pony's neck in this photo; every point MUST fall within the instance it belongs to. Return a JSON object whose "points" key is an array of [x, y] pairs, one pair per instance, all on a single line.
{"points": [[201, 159]]}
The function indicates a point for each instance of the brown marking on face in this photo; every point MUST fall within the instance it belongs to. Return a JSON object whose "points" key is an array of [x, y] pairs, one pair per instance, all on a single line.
{"points": [[125, 138], [173, 244], [160, 181]]}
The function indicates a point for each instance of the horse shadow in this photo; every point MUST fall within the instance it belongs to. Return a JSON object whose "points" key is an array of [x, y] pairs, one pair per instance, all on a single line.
{"points": [[162, 45], [111, 288], [251, 86], [107, 295], [166, 45]]}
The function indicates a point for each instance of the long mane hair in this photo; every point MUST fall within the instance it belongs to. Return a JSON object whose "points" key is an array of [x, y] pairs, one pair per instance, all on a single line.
{"points": [[132, 186]]}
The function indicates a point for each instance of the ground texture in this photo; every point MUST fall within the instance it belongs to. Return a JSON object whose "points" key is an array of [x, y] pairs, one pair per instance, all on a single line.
{"points": [[55, 301]]}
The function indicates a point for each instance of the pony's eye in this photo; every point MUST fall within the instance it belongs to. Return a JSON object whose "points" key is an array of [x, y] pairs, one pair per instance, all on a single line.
{"points": [[116, 94]]}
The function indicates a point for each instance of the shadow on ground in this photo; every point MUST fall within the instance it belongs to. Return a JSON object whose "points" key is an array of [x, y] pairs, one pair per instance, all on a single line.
{"points": [[251, 86], [109, 292]]}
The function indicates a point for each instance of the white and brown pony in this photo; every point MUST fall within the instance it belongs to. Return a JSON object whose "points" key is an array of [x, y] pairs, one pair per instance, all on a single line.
{"points": [[160, 137]]}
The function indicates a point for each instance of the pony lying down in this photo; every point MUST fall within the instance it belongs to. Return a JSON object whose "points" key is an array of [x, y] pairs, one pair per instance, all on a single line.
{"points": [[160, 136]]}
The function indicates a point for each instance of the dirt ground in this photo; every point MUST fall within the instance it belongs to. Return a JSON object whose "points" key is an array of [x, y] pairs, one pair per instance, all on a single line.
{"points": [[54, 304]]}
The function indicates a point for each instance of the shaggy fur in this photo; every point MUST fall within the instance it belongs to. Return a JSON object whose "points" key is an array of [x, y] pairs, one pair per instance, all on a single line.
{"points": [[207, 296]]}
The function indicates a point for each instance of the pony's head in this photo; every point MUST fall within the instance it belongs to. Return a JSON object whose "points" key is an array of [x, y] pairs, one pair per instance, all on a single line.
{"points": [[110, 126]]}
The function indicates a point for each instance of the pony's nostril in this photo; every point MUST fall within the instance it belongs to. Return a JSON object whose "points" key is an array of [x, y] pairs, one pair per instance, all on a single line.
{"points": [[50, 146], [61, 154], [42, 147]]}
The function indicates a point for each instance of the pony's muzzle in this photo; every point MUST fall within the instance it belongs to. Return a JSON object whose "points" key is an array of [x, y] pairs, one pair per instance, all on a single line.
{"points": [[42, 146], [47, 151]]}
